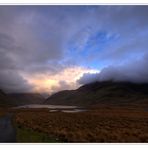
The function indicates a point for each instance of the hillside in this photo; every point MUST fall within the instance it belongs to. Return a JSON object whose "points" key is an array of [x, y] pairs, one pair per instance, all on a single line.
{"points": [[3, 99], [26, 98], [116, 93], [15, 99]]}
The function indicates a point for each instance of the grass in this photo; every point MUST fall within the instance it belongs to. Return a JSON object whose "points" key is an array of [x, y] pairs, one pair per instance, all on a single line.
{"points": [[98, 125], [26, 135], [3, 111]]}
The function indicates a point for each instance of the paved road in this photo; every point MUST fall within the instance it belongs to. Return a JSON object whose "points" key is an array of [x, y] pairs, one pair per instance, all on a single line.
{"points": [[7, 130]]}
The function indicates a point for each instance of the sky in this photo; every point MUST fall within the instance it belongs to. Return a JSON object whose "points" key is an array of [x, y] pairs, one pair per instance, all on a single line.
{"points": [[50, 48]]}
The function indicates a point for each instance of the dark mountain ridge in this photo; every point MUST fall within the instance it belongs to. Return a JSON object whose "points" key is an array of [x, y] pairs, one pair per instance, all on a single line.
{"points": [[107, 92], [3, 98], [16, 99], [26, 98]]}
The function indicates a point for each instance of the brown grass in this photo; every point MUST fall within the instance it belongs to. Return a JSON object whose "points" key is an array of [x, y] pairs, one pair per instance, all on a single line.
{"points": [[98, 125], [3, 111]]}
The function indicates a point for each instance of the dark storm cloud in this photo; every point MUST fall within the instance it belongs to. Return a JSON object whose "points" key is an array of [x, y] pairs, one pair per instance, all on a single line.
{"points": [[10, 78], [11, 81], [23, 49]]}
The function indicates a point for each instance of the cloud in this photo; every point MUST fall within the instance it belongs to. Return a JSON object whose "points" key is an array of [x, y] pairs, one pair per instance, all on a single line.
{"points": [[135, 71], [88, 78], [22, 50], [19, 84], [40, 43], [10, 78], [64, 80]]}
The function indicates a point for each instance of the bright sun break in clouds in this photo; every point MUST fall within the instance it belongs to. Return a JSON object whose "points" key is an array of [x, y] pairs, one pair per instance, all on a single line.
{"points": [[66, 79]]}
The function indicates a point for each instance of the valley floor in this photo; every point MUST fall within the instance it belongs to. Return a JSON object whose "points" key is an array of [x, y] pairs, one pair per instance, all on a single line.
{"points": [[101, 124]]}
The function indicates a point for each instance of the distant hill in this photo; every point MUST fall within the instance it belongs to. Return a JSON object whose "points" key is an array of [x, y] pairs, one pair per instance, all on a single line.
{"points": [[3, 99], [16, 99], [115, 93], [26, 98]]}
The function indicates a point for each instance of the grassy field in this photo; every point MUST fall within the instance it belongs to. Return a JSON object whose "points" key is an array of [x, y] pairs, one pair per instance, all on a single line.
{"points": [[97, 125], [3, 111], [27, 135], [101, 124]]}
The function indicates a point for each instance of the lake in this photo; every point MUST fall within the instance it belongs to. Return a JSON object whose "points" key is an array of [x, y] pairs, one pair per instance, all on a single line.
{"points": [[54, 108], [47, 106]]}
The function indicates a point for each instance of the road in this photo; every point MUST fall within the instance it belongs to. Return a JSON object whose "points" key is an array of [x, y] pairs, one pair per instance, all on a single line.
{"points": [[7, 130]]}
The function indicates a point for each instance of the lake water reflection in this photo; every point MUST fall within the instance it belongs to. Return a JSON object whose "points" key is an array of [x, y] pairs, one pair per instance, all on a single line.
{"points": [[55, 108]]}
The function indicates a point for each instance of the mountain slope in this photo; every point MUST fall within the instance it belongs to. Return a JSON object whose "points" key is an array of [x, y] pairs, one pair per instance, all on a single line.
{"points": [[26, 98], [16, 99], [102, 93], [3, 99]]}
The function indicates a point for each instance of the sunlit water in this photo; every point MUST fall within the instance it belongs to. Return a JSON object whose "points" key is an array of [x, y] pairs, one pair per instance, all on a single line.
{"points": [[47, 106], [73, 111], [55, 108]]}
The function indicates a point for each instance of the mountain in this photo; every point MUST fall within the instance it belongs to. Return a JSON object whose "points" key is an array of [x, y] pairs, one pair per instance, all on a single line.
{"points": [[16, 99], [26, 98], [108, 92], [3, 99]]}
